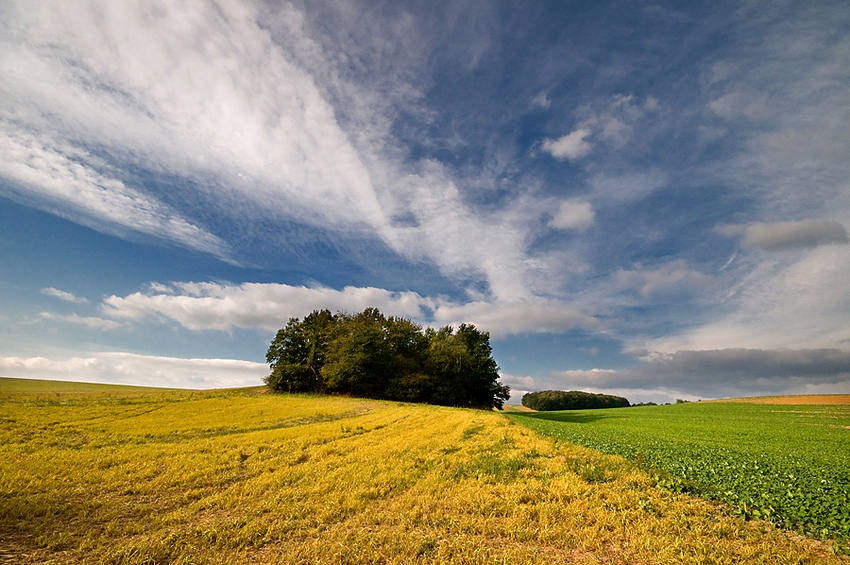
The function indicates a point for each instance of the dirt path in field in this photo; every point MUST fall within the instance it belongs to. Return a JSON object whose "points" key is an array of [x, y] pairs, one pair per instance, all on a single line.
{"points": [[516, 408], [799, 399]]}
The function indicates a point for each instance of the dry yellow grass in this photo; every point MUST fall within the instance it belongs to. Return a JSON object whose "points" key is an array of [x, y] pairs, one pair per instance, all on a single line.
{"points": [[250, 478]]}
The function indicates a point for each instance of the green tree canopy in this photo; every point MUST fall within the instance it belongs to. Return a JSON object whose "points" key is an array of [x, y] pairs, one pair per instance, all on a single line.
{"points": [[374, 356], [297, 353], [571, 400]]}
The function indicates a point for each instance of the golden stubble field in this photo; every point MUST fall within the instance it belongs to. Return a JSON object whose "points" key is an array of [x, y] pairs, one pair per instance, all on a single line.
{"points": [[97, 475]]}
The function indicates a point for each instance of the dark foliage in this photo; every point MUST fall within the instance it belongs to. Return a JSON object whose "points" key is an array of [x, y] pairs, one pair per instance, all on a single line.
{"points": [[374, 356], [571, 400]]}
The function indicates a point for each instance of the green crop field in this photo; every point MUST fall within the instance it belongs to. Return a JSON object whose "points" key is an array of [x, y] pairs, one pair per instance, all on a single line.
{"points": [[789, 464], [98, 474]]}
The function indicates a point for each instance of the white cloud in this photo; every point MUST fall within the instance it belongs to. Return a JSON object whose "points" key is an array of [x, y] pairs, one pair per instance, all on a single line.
{"points": [[64, 180], [62, 295], [463, 243], [505, 318], [670, 278], [617, 122], [573, 214], [542, 100], [613, 120], [88, 321], [212, 306], [788, 235], [251, 104], [192, 90], [590, 377], [795, 303], [571, 147], [146, 370], [793, 163], [622, 188], [737, 104], [267, 307]]}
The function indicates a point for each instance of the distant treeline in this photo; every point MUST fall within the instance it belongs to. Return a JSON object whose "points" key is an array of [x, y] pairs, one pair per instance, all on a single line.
{"points": [[571, 400], [374, 356]]}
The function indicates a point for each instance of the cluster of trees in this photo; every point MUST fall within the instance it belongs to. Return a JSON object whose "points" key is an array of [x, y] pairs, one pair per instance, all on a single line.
{"points": [[374, 356], [571, 400]]}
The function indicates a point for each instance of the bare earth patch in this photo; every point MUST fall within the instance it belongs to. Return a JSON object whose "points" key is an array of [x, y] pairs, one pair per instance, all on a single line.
{"points": [[516, 408]]}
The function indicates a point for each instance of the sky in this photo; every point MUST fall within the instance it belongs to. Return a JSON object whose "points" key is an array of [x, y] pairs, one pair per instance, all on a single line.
{"points": [[635, 198]]}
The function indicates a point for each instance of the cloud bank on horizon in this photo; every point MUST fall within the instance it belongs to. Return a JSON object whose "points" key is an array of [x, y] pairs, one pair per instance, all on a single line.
{"points": [[628, 197]]}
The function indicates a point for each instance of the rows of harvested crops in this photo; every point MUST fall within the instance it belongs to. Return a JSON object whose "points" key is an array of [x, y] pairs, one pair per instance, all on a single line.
{"points": [[786, 464], [244, 477]]}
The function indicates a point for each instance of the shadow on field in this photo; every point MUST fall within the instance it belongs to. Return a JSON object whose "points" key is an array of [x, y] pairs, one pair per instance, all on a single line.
{"points": [[572, 417]]}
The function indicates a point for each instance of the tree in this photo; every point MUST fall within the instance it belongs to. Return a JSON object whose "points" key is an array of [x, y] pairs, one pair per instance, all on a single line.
{"points": [[571, 400], [463, 370], [482, 372], [444, 365], [297, 353], [406, 372], [371, 355], [359, 357]]}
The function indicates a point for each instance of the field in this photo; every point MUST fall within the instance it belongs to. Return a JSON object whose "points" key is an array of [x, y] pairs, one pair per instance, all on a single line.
{"points": [[808, 399], [93, 474], [786, 463]]}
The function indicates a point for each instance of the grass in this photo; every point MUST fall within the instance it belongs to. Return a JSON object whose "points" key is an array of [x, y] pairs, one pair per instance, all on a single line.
{"points": [[789, 464], [155, 476], [33, 389]]}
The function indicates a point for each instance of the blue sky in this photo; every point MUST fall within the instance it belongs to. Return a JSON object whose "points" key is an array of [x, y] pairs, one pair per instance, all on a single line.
{"points": [[645, 199]]}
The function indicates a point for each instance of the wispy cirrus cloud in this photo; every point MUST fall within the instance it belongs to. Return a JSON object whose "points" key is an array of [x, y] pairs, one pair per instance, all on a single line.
{"points": [[180, 105], [793, 303], [93, 322], [65, 180], [63, 295], [770, 110], [671, 278], [611, 121], [614, 189], [244, 109], [616, 119], [788, 235]]}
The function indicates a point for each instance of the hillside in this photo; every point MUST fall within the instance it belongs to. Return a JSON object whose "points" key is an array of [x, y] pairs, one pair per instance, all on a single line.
{"points": [[243, 477], [808, 399]]}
